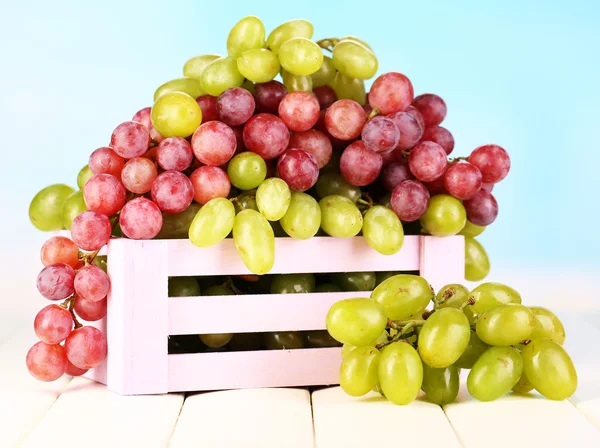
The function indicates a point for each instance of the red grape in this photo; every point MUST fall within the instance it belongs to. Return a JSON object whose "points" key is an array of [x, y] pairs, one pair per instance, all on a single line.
{"points": [[59, 249], [104, 193], [140, 219], [299, 111], [266, 135], [130, 139], [462, 180], [314, 142], [345, 119], [139, 174], [92, 283], [46, 362], [268, 96], [409, 200], [409, 127], [487, 186], [298, 168], [432, 107], [150, 154], [395, 173], [493, 162], [74, 371], [326, 96], [56, 282], [239, 138], [414, 112], [380, 134], [208, 106], [86, 347], [235, 106], [210, 182], [360, 166], [214, 143], [391, 92], [155, 136], [427, 161], [482, 209], [172, 191], [441, 136], [91, 230], [174, 153], [105, 160], [320, 126], [437, 186], [53, 324], [143, 116], [90, 311]]}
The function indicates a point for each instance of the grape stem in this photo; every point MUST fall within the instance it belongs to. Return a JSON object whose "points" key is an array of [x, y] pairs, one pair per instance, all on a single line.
{"points": [[400, 324], [457, 159], [229, 284], [373, 113], [328, 43], [69, 304], [471, 301]]}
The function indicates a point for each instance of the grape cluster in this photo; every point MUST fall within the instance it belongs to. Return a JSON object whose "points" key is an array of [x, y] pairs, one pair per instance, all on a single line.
{"points": [[396, 345]]}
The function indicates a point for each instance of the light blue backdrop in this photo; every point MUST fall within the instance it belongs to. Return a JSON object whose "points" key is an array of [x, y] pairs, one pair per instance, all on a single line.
{"points": [[524, 75]]}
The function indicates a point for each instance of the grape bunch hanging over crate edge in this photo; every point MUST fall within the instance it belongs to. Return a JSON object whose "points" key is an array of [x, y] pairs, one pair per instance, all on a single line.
{"points": [[280, 138]]}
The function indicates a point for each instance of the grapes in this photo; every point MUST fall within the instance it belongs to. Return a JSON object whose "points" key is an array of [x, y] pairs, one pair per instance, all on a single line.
{"points": [[82, 177], [299, 169], [176, 114], [380, 134], [345, 119], [293, 284], [444, 337], [91, 230], [140, 219], [340, 217], [471, 230], [356, 321], [55, 282], [139, 174], [59, 249], [319, 339], [208, 106], [383, 230], [268, 96], [547, 326], [212, 223], [440, 385], [409, 200], [72, 207], [355, 281], [334, 183], [445, 216], [391, 92], [216, 340], [174, 153], [431, 107], [299, 111], [287, 31], [235, 106], [523, 386], [214, 143], [255, 241], [462, 180], [220, 75], [313, 142], [549, 369], [493, 162], [427, 161], [105, 194], [505, 324], [482, 208], [105, 160], [273, 198], [358, 373], [354, 60], [410, 129], [90, 311], [286, 340], [46, 362], [128, 140], [210, 182], [474, 350], [191, 86], [86, 347], [296, 83], [247, 34], [359, 165], [302, 218], [247, 170], [490, 295], [177, 225], [349, 88], [91, 283], [402, 295], [45, 210], [400, 373], [258, 65], [325, 74], [194, 67], [74, 371], [266, 135], [183, 287], [453, 295], [53, 324], [495, 373], [441, 136], [326, 96], [477, 263], [300, 56], [172, 191]]}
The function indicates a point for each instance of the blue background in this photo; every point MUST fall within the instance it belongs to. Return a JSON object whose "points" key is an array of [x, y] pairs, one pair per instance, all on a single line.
{"points": [[524, 75]]}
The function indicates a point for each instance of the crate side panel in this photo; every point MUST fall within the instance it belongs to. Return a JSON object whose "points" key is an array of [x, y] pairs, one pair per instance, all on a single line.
{"points": [[442, 260]]}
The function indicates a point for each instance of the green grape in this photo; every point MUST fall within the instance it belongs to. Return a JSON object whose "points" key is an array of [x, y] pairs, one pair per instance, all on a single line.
{"points": [[444, 337], [73, 206], [452, 296], [259, 65], [255, 241], [445, 216], [246, 200], [347, 349], [495, 373], [490, 295], [523, 386], [328, 287], [340, 217], [278, 230], [400, 373], [191, 86], [354, 60], [300, 56], [217, 290], [194, 67], [287, 31], [505, 324], [477, 263], [549, 369], [176, 114], [101, 262], [293, 284], [248, 34], [355, 281], [213, 223], [356, 39], [471, 230], [403, 295], [319, 339], [547, 326], [284, 340], [333, 166], [295, 83], [46, 208], [356, 321], [220, 75], [84, 175], [358, 373], [273, 198], [243, 342], [349, 88], [216, 340], [247, 170], [380, 277], [383, 230], [303, 217], [440, 385], [177, 225], [249, 86], [334, 183], [183, 287], [474, 350], [325, 74]]}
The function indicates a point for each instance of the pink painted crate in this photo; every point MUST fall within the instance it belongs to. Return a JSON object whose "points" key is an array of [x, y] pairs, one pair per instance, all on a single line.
{"points": [[141, 315]]}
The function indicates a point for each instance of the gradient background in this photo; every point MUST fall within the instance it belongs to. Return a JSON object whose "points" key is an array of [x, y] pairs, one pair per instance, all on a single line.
{"points": [[524, 75]]}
